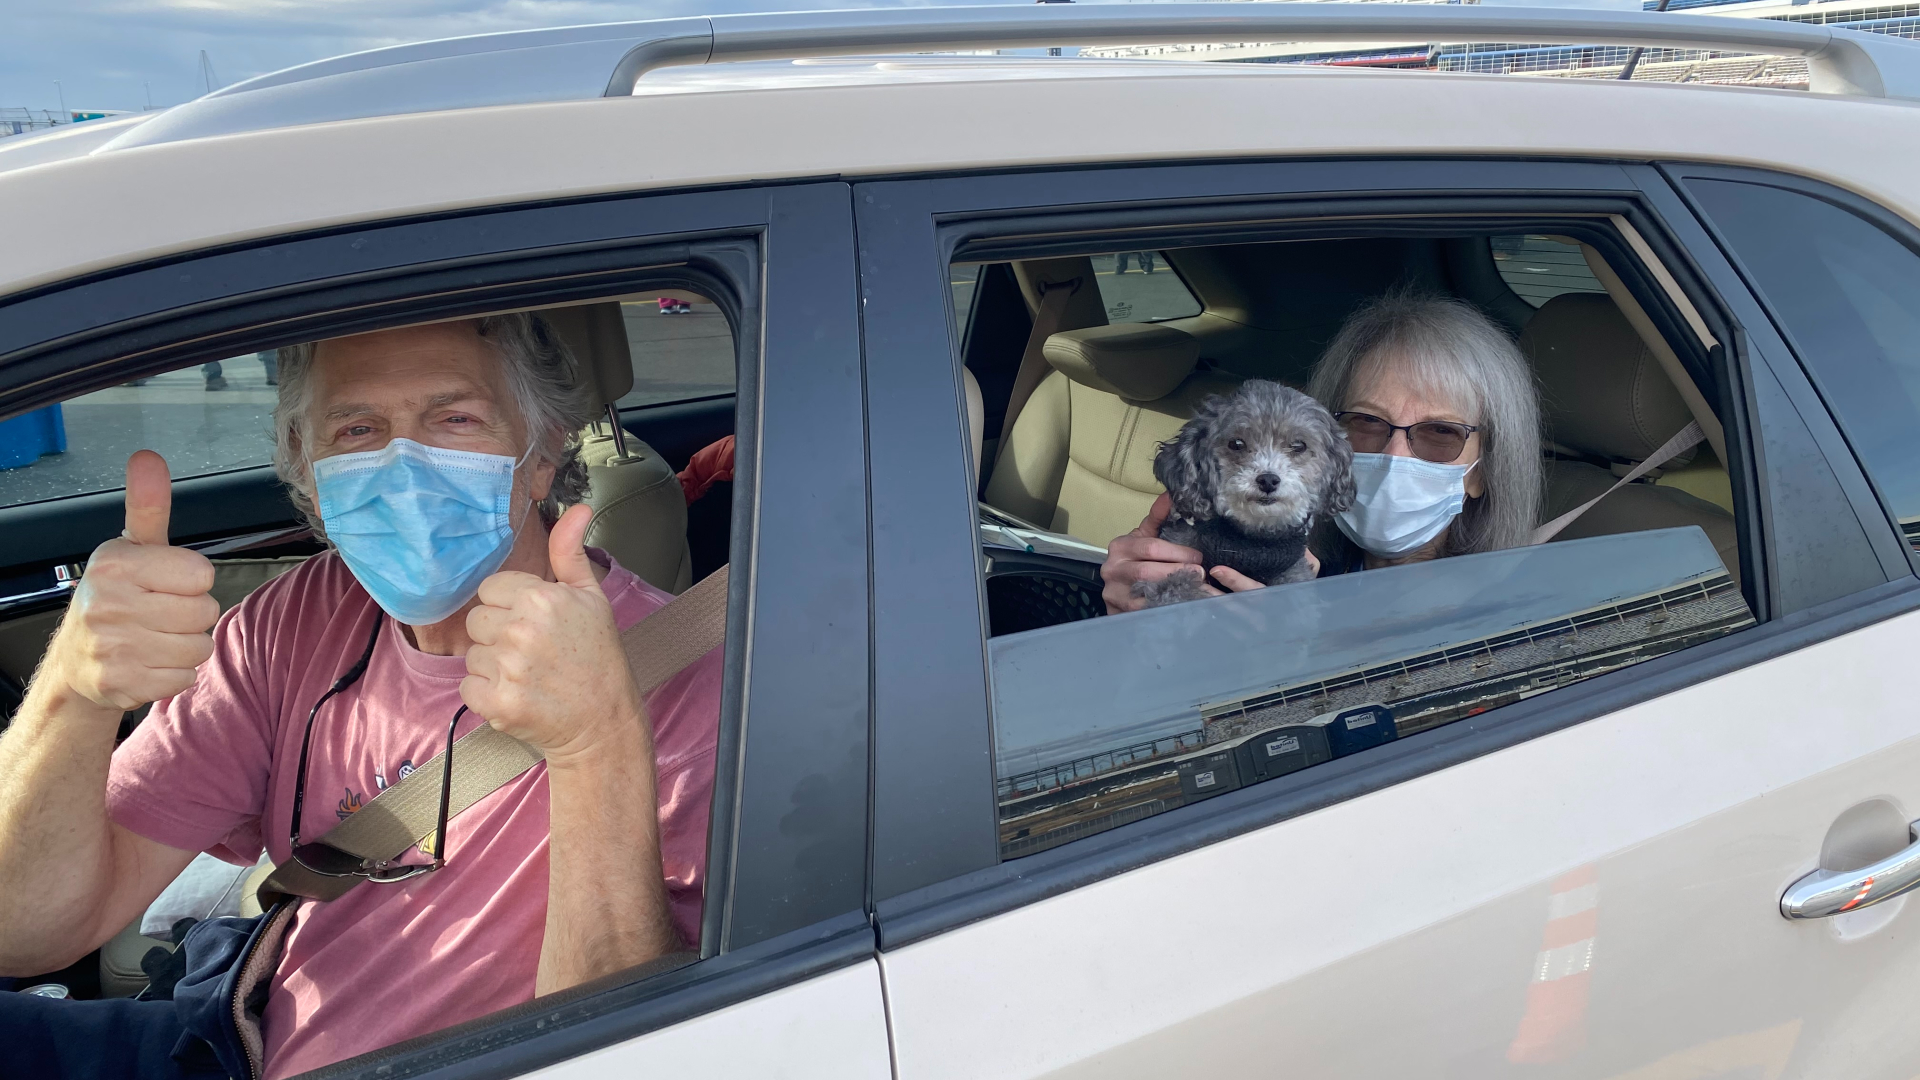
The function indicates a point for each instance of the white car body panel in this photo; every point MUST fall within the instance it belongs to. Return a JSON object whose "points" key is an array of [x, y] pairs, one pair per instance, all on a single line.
{"points": [[830, 1027], [1406, 932], [119, 207]]}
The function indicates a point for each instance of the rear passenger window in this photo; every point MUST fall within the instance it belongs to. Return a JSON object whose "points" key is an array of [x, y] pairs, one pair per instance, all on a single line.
{"points": [[1102, 717], [207, 418], [1848, 298], [1539, 268], [1140, 286], [1104, 722]]}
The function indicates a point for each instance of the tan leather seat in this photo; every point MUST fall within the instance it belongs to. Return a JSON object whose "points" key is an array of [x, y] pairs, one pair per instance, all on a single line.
{"points": [[639, 511], [1079, 459], [1605, 396]]}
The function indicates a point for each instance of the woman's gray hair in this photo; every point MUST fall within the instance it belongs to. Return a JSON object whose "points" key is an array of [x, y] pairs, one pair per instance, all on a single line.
{"points": [[1458, 355], [542, 375]]}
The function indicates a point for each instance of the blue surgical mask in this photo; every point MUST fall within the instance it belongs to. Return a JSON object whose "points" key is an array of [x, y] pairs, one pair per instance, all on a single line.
{"points": [[1401, 503], [420, 527]]}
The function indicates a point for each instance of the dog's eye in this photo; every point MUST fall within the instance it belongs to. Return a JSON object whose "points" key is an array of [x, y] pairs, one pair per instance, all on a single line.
{"points": [[1297, 447], [1236, 445]]}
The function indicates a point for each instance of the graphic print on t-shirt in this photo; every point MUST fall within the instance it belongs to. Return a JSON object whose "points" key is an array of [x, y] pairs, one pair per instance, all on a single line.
{"points": [[354, 801]]}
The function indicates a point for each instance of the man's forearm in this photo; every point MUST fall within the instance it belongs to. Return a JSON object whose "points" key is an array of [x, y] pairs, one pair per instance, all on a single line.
{"points": [[606, 894], [56, 844]]}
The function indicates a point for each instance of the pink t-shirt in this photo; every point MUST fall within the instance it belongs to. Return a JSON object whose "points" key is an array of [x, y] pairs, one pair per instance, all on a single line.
{"points": [[214, 769]]}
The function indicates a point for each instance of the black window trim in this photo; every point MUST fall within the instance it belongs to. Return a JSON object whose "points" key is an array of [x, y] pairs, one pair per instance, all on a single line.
{"points": [[1898, 228], [779, 911], [899, 221], [1755, 332]]}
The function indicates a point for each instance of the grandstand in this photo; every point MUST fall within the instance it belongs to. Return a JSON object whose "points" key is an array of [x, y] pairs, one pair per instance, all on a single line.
{"points": [[1571, 61]]}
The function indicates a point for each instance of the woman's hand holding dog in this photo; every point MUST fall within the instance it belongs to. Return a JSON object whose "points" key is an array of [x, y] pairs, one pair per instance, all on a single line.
{"points": [[1142, 556]]}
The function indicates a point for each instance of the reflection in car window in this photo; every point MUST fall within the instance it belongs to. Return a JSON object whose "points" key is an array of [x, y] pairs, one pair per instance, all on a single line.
{"points": [[203, 419], [1105, 721], [1849, 298], [682, 349], [1140, 286], [1539, 268]]}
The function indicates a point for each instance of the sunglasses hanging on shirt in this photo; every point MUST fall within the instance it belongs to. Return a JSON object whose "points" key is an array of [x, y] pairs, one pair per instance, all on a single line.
{"points": [[329, 861]]}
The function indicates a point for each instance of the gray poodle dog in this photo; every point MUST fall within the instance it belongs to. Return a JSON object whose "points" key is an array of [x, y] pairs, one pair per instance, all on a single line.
{"points": [[1248, 475]]}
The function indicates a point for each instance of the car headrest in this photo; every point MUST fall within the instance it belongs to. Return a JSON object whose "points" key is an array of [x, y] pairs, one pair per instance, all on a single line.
{"points": [[1137, 361], [597, 336], [1602, 390]]}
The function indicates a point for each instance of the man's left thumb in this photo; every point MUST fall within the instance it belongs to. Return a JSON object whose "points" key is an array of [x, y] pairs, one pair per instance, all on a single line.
{"points": [[566, 549]]}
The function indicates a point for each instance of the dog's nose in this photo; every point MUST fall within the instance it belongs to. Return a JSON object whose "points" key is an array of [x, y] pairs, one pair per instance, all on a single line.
{"points": [[1269, 482]]}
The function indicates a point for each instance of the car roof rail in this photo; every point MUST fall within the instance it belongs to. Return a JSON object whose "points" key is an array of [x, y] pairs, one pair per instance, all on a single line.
{"points": [[577, 62]]}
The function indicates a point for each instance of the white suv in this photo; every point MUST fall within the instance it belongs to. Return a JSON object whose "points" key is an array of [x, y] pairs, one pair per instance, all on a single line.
{"points": [[1635, 803]]}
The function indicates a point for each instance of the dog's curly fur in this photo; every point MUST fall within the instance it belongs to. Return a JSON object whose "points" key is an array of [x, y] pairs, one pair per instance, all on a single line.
{"points": [[1248, 475]]}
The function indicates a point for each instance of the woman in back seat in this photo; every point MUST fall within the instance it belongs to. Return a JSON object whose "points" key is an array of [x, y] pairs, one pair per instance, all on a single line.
{"points": [[1443, 416]]}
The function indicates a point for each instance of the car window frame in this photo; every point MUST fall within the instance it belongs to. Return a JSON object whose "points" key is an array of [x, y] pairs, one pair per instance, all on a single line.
{"points": [[1897, 228], [936, 865], [783, 903]]}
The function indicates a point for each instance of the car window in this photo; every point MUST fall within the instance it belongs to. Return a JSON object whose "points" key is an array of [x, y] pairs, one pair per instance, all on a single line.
{"points": [[218, 416], [1135, 286], [1103, 721], [1140, 286], [1539, 268], [682, 349], [206, 418], [1848, 297]]}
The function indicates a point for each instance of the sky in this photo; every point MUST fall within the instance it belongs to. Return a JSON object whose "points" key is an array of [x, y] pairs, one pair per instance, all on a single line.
{"points": [[123, 54]]}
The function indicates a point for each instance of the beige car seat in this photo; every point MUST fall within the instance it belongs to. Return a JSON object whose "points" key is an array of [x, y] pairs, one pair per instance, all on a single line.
{"points": [[639, 511], [1604, 395], [1079, 459]]}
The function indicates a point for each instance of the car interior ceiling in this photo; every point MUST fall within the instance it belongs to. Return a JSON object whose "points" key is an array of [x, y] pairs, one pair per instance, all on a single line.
{"points": [[1082, 462]]}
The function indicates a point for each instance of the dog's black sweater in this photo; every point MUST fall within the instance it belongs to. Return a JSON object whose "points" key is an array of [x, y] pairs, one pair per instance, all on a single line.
{"points": [[1265, 559]]}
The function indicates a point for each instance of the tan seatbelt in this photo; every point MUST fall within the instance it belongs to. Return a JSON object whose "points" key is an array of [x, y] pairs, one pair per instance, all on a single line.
{"points": [[1033, 362], [657, 648], [1682, 439]]}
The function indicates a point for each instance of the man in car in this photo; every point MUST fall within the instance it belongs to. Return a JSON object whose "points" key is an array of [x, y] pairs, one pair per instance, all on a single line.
{"points": [[441, 463]]}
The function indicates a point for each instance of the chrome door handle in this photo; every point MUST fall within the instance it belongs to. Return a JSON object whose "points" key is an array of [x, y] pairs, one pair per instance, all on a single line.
{"points": [[1829, 892]]}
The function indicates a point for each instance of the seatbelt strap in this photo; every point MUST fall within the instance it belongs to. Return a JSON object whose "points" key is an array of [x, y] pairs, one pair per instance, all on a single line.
{"points": [[657, 648], [1683, 439], [1033, 362]]}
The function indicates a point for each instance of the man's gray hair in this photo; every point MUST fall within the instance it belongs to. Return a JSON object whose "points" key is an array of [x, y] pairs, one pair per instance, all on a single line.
{"points": [[542, 375], [1458, 355]]}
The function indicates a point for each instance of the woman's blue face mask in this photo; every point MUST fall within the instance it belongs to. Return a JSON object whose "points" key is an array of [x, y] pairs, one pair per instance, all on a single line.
{"points": [[420, 527]]}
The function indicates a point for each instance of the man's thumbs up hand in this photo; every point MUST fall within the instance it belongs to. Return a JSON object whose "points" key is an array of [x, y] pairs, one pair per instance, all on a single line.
{"points": [[137, 626], [567, 550], [149, 498], [546, 664]]}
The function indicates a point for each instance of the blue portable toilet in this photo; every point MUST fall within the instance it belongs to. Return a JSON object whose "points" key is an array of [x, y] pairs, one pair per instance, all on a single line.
{"points": [[24, 438]]}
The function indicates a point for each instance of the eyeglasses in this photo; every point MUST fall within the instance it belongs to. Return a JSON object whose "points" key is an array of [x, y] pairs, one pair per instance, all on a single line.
{"points": [[329, 861], [1438, 441]]}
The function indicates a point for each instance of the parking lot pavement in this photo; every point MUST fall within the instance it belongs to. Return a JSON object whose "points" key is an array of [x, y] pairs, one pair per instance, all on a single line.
{"points": [[197, 430]]}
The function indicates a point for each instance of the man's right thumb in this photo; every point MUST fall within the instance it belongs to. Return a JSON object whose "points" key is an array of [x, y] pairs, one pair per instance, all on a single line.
{"points": [[149, 498]]}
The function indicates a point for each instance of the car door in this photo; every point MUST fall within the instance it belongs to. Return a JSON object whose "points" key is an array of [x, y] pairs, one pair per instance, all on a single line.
{"points": [[786, 981], [1587, 881]]}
